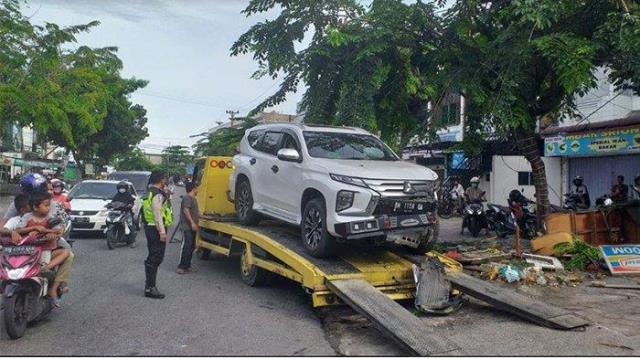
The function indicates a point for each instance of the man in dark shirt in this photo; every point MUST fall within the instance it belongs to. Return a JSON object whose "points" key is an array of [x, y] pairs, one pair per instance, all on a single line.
{"points": [[189, 215], [620, 191]]}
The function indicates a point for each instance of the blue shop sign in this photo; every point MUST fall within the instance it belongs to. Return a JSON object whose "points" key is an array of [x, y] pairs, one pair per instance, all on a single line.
{"points": [[597, 143]]}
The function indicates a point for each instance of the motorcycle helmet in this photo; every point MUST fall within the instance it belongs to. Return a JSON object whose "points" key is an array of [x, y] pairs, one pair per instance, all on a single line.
{"points": [[33, 183], [475, 181], [122, 187], [577, 180], [58, 186]]}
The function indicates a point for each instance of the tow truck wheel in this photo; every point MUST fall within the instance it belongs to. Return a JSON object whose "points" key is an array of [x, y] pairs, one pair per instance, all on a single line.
{"points": [[315, 237], [244, 204], [251, 274]]}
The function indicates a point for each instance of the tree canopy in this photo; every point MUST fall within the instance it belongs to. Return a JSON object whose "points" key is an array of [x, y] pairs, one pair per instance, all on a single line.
{"points": [[175, 160], [134, 160], [389, 66], [224, 141], [72, 95]]}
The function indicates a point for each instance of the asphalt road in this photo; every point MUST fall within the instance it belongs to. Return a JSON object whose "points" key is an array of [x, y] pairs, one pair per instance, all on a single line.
{"points": [[210, 312]]}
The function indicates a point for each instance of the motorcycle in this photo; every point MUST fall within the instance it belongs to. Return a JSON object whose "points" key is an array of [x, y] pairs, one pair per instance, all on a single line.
{"points": [[120, 229], [24, 289], [475, 218], [503, 220]]}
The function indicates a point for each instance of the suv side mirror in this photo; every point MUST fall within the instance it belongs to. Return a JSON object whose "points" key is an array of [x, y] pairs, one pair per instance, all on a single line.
{"points": [[289, 155]]}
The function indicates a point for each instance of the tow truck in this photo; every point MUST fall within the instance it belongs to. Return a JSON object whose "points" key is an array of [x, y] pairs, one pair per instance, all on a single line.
{"points": [[369, 280]]}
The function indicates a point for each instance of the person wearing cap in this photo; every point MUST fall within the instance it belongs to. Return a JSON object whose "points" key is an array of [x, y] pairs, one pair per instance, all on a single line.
{"points": [[582, 191]]}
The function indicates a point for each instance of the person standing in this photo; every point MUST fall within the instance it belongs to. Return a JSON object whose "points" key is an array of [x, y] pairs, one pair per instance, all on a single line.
{"points": [[157, 218], [189, 215]]}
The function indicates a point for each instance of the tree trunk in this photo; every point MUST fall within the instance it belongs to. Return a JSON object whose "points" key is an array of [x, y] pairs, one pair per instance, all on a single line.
{"points": [[527, 142]]}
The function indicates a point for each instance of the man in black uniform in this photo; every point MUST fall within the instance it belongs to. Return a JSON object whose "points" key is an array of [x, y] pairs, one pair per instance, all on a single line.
{"points": [[157, 218]]}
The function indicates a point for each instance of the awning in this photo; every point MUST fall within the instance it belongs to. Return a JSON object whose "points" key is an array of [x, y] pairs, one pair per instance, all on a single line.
{"points": [[633, 118]]}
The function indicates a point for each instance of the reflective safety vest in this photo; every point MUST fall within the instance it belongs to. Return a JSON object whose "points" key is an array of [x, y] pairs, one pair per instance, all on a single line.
{"points": [[166, 210]]}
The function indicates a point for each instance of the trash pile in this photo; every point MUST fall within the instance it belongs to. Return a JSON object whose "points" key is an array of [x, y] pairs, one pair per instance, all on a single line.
{"points": [[572, 263]]}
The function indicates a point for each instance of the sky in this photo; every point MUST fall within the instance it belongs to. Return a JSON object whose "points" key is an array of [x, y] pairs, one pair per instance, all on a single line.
{"points": [[182, 49]]}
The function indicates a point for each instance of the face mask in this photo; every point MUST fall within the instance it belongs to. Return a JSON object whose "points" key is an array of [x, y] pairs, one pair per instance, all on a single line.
{"points": [[122, 190], [57, 190], [475, 185]]}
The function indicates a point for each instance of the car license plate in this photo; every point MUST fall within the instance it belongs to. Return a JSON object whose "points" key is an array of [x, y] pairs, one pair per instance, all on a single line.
{"points": [[80, 219], [406, 206], [19, 250]]}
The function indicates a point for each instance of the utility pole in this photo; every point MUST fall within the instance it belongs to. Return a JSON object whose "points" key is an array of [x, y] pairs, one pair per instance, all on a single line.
{"points": [[232, 115]]}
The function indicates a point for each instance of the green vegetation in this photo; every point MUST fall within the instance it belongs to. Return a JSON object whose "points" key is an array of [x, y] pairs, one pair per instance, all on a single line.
{"points": [[224, 141], [582, 254], [391, 66], [72, 95]]}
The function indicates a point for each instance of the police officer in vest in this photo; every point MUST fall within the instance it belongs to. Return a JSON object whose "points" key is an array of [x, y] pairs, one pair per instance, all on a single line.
{"points": [[158, 216]]}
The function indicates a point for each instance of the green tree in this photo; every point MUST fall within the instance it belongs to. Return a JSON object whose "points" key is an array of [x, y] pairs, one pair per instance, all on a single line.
{"points": [[388, 67], [521, 61], [134, 160], [224, 141], [73, 96], [175, 160]]}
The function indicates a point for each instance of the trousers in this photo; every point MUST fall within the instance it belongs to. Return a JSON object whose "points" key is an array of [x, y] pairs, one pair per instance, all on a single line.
{"points": [[156, 255], [188, 245]]}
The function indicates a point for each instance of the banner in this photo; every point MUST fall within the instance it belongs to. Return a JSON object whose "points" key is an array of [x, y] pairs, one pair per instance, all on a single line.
{"points": [[622, 259], [597, 143]]}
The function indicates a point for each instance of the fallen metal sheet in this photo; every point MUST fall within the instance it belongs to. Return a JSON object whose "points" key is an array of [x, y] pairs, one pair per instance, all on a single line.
{"points": [[391, 318], [508, 300]]}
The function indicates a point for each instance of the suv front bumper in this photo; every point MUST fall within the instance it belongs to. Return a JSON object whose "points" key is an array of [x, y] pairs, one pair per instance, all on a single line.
{"points": [[384, 224]]}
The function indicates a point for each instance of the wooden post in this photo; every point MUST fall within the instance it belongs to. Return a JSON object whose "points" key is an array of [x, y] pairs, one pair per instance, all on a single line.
{"points": [[518, 253]]}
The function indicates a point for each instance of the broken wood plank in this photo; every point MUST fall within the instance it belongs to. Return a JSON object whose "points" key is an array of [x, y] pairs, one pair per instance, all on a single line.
{"points": [[599, 284], [508, 300], [391, 318]]}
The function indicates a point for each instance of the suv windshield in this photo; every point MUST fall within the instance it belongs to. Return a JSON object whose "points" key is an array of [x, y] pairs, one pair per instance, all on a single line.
{"points": [[347, 146], [93, 190]]}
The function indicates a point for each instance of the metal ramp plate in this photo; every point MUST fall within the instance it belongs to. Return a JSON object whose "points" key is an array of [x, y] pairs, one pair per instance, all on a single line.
{"points": [[508, 300], [391, 318]]}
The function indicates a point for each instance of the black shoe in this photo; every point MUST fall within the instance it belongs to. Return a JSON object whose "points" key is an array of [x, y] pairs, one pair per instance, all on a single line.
{"points": [[153, 292]]}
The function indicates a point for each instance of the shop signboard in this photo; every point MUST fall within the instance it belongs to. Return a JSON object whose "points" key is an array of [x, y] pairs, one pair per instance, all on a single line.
{"points": [[622, 258], [597, 143]]}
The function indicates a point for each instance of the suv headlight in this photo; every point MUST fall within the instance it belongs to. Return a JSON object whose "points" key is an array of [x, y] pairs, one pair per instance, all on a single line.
{"points": [[344, 200], [348, 180]]}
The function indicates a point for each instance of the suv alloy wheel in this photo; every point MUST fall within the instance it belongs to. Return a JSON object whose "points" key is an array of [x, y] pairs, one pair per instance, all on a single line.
{"points": [[318, 242]]}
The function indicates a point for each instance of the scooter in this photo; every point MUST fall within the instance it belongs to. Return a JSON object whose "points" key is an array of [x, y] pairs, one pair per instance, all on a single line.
{"points": [[500, 219], [474, 218], [24, 289], [120, 230]]}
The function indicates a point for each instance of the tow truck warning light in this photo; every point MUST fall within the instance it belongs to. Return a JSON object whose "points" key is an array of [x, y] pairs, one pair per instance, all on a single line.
{"points": [[221, 164]]}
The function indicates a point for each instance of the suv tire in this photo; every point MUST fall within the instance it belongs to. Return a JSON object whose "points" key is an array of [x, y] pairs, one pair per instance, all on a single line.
{"points": [[244, 204], [313, 229]]}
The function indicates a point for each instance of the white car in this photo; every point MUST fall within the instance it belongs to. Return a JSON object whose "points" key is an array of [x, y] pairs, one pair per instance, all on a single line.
{"points": [[88, 200], [336, 183]]}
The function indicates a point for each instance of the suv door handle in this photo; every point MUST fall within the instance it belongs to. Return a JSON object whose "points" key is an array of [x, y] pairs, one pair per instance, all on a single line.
{"points": [[252, 161], [275, 169]]}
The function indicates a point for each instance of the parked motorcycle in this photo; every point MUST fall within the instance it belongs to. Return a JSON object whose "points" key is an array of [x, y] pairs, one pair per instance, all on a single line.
{"points": [[120, 229], [500, 219], [475, 218], [23, 288], [503, 220]]}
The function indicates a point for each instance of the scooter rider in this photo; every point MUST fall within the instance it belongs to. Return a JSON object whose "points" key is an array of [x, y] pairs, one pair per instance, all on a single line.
{"points": [[472, 194], [124, 196], [582, 192], [158, 216]]}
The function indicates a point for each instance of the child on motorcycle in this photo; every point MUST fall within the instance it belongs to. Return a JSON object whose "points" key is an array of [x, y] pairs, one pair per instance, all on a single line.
{"points": [[56, 250]]}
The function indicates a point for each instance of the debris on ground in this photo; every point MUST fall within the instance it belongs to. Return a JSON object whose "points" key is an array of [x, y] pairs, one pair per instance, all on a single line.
{"points": [[601, 284], [544, 244], [543, 262], [510, 273], [581, 253], [433, 289], [483, 256]]}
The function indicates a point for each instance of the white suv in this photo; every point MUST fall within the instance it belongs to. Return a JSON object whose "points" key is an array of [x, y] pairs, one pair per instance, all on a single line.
{"points": [[336, 183]]}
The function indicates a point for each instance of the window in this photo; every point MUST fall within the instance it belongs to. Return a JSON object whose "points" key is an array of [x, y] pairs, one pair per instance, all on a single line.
{"points": [[290, 142], [254, 138], [450, 115], [525, 178], [198, 171], [347, 146], [270, 143]]}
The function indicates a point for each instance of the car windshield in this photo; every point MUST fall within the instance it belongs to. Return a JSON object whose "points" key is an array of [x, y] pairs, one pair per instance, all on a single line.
{"points": [[347, 146], [93, 190], [140, 181]]}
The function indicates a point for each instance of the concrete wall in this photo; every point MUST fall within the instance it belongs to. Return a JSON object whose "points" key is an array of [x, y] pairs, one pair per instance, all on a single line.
{"points": [[589, 104], [504, 178]]}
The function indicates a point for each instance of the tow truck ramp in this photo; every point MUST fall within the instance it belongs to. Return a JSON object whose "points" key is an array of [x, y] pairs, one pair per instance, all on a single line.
{"points": [[392, 319]]}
